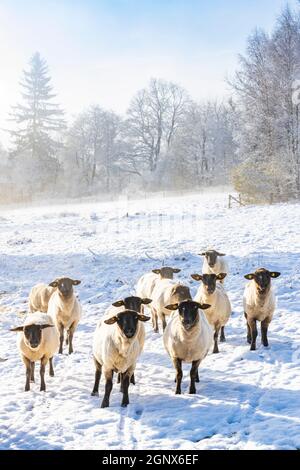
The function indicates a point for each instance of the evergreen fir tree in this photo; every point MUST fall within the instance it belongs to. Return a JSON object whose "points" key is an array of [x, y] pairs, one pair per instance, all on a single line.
{"points": [[39, 122]]}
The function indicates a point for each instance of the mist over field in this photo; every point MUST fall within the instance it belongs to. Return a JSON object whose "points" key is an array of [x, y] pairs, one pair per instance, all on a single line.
{"points": [[224, 117]]}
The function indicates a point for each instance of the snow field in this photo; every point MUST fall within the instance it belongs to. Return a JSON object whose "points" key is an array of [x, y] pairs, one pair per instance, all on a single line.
{"points": [[245, 400]]}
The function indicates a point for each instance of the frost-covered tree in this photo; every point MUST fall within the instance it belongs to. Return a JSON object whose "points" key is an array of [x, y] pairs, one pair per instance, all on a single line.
{"points": [[203, 151], [268, 134], [5, 176], [92, 150], [154, 116], [38, 125]]}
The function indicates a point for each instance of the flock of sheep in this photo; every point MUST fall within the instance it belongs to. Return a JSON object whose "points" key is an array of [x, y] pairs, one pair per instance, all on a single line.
{"points": [[193, 326]]}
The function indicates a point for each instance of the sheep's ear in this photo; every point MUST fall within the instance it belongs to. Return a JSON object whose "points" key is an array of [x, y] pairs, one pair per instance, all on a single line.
{"points": [[17, 328], [221, 276], [76, 282], [46, 326], [202, 254], [111, 320], [203, 306], [220, 254], [249, 277], [156, 271], [274, 274], [146, 301], [143, 317], [118, 303], [176, 270], [196, 277], [53, 284], [172, 307]]}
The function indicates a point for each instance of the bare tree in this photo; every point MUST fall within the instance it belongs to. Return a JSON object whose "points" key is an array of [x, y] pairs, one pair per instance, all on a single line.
{"points": [[93, 147], [153, 118]]}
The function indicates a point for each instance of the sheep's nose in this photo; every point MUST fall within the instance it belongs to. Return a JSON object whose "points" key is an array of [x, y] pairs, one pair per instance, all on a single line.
{"points": [[130, 332]]}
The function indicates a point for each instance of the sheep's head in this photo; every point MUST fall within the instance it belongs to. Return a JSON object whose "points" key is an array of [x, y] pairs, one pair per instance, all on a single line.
{"points": [[262, 278], [209, 280], [166, 272], [132, 303], [188, 312], [65, 285], [211, 256], [180, 293], [32, 334], [127, 322]]}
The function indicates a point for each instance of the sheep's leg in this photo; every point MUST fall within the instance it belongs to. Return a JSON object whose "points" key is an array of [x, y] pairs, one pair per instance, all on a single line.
{"points": [[163, 319], [125, 386], [28, 373], [32, 371], [61, 337], [120, 380], [264, 332], [216, 335], [44, 361], [248, 334], [253, 328], [132, 380], [70, 336], [222, 335], [248, 329], [154, 320], [98, 371], [51, 369], [193, 374], [108, 388], [197, 377], [178, 367]]}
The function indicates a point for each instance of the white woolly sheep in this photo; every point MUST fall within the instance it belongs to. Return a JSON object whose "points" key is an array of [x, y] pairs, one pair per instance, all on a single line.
{"points": [[65, 309], [214, 263], [130, 303], [187, 338], [259, 304], [116, 348], [220, 308], [166, 291], [147, 282], [38, 341], [39, 297]]}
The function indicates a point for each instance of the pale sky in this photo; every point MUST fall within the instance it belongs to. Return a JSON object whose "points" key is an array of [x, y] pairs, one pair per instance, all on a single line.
{"points": [[103, 51]]}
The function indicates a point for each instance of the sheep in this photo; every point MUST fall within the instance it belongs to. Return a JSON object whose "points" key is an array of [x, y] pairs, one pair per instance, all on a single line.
{"points": [[259, 304], [187, 338], [214, 263], [130, 303], [214, 294], [166, 291], [147, 282], [65, 309], [38, 341], [39, 297], [116, 348]]}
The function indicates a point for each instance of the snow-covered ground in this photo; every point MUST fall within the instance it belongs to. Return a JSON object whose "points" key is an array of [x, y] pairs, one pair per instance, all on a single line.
{"points": [[245, 400]]}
